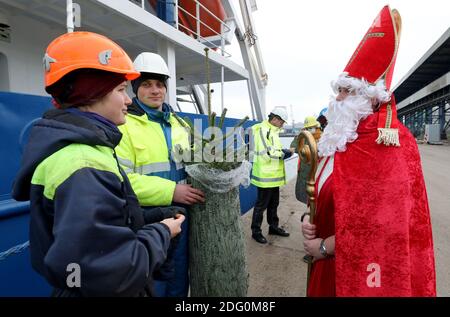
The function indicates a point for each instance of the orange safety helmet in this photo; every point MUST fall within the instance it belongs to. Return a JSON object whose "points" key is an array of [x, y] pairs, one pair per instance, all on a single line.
{"points": [[76, 50]]}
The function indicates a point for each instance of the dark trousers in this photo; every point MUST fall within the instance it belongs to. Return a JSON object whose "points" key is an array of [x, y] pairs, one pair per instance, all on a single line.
{"points": [[176, 283], [268, 198]]}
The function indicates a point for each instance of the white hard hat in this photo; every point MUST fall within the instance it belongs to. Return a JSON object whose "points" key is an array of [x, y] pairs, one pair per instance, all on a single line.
{"points": [[281, 112], [151, 63]]}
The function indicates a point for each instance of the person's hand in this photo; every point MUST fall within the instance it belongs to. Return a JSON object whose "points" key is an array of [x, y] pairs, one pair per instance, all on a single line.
{"points": [[312, 248], [287, 153], [174, 224], [308, 229], [157, 214], [185, 194]]}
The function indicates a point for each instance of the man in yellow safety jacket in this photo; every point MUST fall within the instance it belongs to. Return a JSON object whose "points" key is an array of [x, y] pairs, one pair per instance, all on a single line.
{"points": [[151, 136], [268, 172]]}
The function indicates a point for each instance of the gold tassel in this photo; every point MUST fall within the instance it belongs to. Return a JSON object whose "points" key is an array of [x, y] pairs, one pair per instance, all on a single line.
{"points": [[388, 137]]}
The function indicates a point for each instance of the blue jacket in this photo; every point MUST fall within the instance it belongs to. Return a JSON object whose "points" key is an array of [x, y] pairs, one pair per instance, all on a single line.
{"points": [[84, 211]]}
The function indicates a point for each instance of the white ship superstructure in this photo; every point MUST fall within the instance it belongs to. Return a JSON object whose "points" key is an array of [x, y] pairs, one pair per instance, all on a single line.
{"points": [[27, 26]]}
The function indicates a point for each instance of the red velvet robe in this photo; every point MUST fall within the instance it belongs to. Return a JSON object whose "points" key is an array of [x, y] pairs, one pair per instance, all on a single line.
{"points": [[384, 243], [322, 279]]}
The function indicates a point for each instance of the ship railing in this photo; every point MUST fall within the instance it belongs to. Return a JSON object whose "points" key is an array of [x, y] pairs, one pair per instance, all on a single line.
{"points": [[210, 41]]}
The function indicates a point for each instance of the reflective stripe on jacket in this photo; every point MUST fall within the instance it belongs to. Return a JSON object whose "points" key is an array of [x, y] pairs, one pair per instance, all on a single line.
{"points": [[268, 166], [144, 155]]}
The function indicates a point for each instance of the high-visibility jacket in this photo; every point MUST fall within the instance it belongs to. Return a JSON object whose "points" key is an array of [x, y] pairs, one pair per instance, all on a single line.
{"points": [[144, 154], [83, 209], [268, 165]]}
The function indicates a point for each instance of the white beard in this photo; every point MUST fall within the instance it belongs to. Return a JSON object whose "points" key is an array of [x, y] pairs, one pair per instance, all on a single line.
{"points": [[343, 119]]}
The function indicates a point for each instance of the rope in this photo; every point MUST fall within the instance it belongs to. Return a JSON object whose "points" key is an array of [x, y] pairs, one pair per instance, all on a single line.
{"points": [[250, 36], [14, 250]]}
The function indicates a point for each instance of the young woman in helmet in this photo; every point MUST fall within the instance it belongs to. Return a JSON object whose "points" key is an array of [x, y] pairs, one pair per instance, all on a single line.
{"points": [[88, 235]]}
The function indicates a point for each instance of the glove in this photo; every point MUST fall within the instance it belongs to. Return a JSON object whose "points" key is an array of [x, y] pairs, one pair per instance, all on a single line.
{"points": [[152, 215], [286, 153], [166, 271]]}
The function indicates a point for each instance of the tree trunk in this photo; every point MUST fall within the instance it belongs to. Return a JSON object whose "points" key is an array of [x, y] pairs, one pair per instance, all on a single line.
{"points": [[216, 246]]}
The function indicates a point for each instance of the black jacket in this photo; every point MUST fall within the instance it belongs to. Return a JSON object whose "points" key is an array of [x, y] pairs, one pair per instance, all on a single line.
{"points": [[91, 216]]}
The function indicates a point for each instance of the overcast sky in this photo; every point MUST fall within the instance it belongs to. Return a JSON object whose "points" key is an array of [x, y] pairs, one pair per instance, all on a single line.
{"points": [[306, 44]]}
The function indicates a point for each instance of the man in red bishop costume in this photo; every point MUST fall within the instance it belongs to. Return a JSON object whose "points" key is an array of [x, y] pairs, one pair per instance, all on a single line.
{"points": [[372, 232]]}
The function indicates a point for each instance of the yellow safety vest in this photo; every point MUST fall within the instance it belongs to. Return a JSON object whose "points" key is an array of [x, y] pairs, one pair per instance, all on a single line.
{"points": [[144, 155], [268, 166]]}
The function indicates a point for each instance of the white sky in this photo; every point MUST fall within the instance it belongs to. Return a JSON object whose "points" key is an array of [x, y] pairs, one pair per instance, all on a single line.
{"points": [[306, 44]]}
